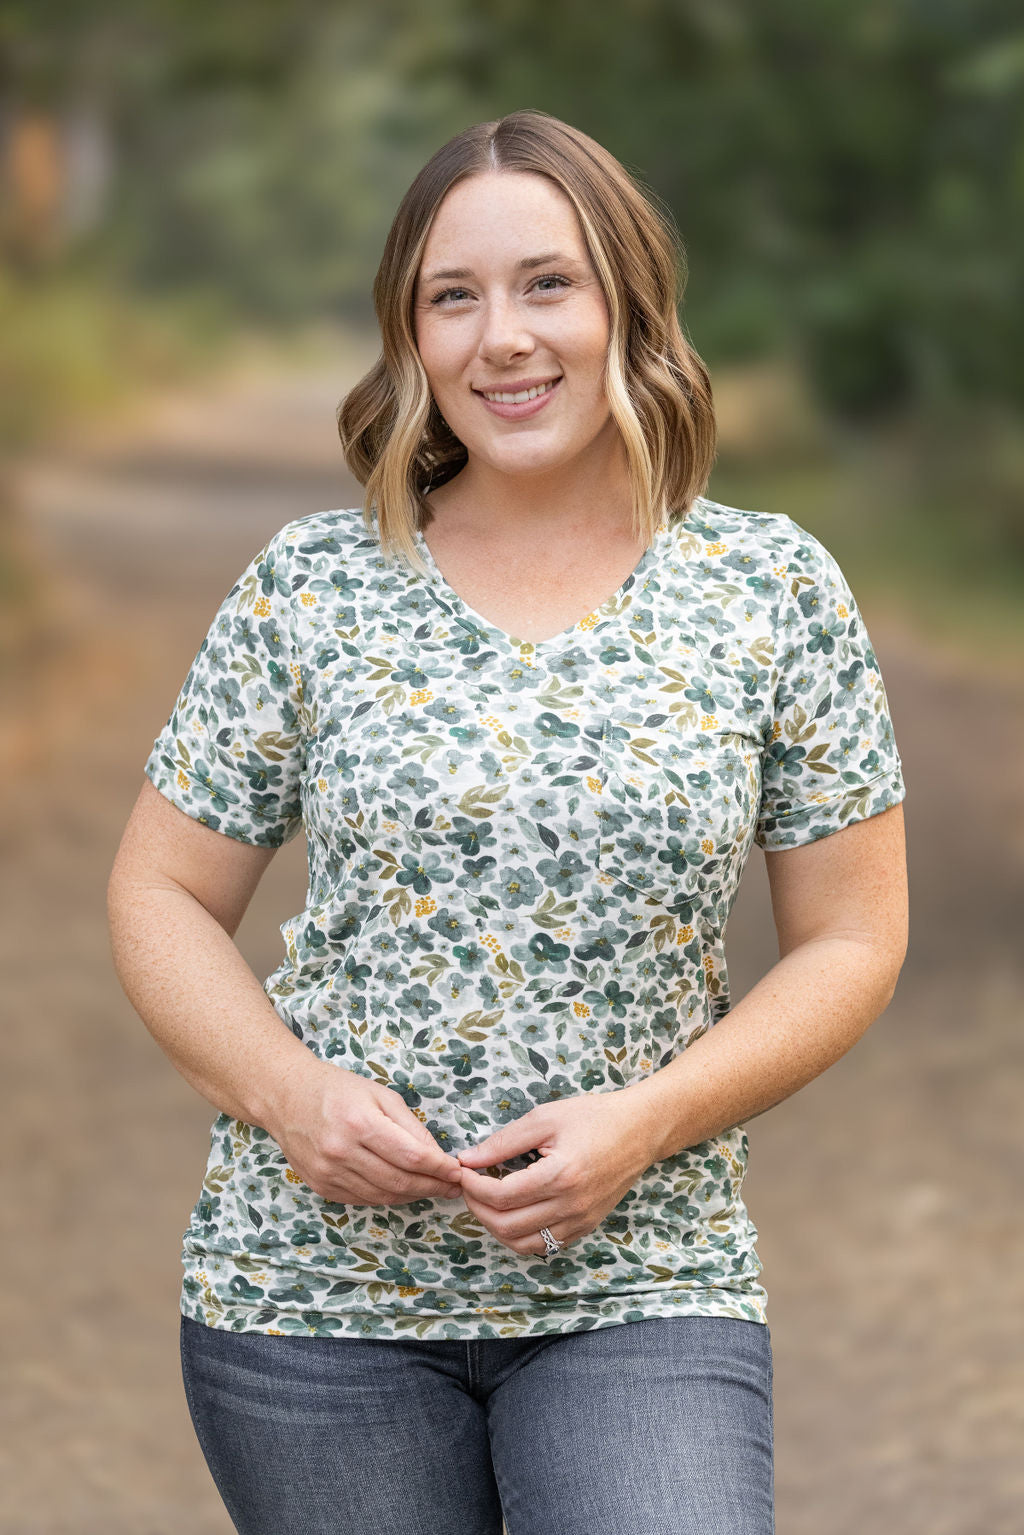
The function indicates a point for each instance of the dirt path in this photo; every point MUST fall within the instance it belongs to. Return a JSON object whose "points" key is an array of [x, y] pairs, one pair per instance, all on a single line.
{"points": [[887, 1193]]}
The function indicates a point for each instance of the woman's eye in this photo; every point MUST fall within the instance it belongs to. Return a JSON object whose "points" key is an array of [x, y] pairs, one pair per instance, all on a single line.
{"points": [[458, 295]]}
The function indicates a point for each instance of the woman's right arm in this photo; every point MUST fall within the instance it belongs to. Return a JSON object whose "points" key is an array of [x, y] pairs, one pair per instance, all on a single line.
{"points": [[177, 893]]}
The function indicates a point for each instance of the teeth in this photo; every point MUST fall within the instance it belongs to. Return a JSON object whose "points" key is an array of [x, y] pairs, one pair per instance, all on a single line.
{"points": [[523, 395]]}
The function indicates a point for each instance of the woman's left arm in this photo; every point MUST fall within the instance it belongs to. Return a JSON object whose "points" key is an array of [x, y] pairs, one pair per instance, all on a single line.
{"points": [[841, 914]]}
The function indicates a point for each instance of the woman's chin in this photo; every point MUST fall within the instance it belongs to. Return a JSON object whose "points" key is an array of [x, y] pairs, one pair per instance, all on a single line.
{"points": [[524, 458]]}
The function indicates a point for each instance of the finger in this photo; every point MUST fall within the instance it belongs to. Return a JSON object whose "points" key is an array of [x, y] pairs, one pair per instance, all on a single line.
{"points": [[524, 1225], [386, 1182], [401, 1139], [513, 1191], [510, 1141], [359, 1191]]}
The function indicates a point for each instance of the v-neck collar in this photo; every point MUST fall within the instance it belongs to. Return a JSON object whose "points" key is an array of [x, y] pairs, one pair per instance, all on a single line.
{"points": [[595, 622]]}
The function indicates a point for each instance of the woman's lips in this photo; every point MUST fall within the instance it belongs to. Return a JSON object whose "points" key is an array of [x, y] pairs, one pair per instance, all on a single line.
{"points": [[521, 411]]}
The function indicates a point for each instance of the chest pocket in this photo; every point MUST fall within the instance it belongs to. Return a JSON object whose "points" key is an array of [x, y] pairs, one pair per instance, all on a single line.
{"points": [[677, 811]]}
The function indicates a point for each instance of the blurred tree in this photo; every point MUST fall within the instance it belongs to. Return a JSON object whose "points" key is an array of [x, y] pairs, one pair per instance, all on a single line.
{"points": [[848, 179]]}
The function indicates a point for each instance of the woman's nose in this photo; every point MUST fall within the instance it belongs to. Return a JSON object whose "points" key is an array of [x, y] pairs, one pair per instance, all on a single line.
{"points": [[504, 332]]}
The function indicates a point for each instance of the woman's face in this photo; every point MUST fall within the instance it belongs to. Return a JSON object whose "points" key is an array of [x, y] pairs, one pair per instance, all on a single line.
{"points": [[507, 301]]}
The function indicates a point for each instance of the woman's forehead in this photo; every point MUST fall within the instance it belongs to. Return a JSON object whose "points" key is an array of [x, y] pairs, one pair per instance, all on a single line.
{"points": [[507, 217]]}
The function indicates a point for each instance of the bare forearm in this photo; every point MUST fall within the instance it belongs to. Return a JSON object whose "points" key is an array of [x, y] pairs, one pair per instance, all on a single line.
{"points": [[201, 1002], [805, 1013]]}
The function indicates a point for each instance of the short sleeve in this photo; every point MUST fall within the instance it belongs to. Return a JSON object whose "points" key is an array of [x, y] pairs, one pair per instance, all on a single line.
{"points": [[831, 758], [232, 752]]}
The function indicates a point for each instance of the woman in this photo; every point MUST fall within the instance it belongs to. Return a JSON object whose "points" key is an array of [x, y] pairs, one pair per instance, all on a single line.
{"points": [[531, 706]]}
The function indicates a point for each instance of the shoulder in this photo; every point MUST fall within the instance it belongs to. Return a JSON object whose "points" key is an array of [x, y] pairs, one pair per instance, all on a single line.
{"points": [[726, 544], [320, 550], [771, 546], [772, 535], [339, 533], [327, 546]]}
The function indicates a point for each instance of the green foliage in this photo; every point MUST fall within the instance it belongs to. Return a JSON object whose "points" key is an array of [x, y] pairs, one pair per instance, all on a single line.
{"points": [[847, 178], [74, 349]]}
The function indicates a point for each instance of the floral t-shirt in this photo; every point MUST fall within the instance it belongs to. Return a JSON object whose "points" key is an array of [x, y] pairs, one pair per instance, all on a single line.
{"points": [[522, 858]]}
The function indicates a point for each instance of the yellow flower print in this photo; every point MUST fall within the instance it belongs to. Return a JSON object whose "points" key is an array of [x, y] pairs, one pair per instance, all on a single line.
{"points": [[594, 785], [707, 846], [588, 622], [425, 906], [581, 1010], [262, 608], [708, 721], [321, 784], [182, 781], [421, 696], [716, 548], [685, 934], [308, 599]]}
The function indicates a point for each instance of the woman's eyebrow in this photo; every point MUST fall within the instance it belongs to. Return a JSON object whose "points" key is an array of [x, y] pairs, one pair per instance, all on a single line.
{"points": [[526, 265]]}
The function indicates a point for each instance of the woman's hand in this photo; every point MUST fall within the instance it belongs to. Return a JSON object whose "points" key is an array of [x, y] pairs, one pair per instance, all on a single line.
{"points": [[591, 1154], [354, 1142]]}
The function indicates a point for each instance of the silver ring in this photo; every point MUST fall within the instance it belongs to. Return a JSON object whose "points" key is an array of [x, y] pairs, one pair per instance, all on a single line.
{"points": [[553, 1246]]}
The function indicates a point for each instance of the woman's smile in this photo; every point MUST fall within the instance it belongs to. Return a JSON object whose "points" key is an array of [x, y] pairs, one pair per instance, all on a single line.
{"points": [[516, 404]]}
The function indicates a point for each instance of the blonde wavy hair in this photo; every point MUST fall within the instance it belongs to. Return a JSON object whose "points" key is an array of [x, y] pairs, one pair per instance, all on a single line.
{"points": [[396, 442]]}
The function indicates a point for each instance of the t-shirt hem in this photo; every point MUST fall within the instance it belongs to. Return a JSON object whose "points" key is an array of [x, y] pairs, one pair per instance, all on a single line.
{"points": [[810, 821], [230, 822], [491, 1322]]}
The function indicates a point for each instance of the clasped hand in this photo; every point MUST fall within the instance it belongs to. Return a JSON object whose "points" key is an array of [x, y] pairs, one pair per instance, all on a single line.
{"points": [[354, 1141], [591, 1154]]}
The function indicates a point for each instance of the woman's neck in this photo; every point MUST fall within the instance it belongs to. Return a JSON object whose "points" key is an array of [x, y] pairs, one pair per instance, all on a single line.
{"points": [[580, 498]]}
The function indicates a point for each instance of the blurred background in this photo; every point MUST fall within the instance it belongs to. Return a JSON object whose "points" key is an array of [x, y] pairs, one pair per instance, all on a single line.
{"points": [[194, 202]]}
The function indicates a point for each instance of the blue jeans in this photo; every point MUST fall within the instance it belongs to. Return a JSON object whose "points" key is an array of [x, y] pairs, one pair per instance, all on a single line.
{"points": [[659, 1427]]}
